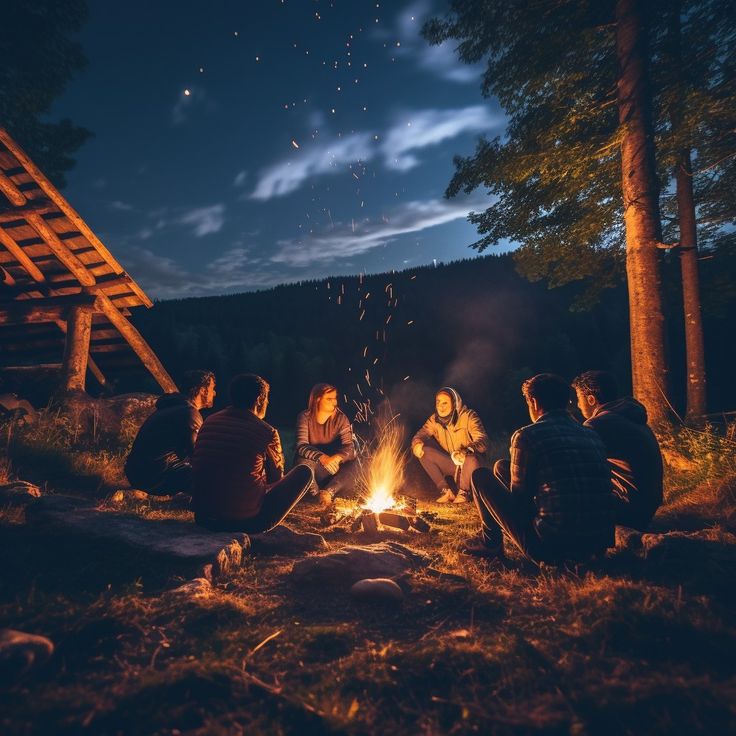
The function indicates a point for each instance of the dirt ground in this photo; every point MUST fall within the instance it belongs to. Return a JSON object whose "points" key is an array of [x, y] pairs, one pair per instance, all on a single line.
{"points": [[641, 642]]}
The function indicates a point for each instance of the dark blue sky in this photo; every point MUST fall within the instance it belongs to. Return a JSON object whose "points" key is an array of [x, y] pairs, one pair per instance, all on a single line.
{"points": [[243, 144]]}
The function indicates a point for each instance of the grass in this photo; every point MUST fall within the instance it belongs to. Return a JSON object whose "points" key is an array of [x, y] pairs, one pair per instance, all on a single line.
{"points": [[632, 644]]}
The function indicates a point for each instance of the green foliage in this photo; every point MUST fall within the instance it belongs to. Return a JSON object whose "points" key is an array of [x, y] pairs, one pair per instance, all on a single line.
{"points": [[554, 178], [38, 60]]}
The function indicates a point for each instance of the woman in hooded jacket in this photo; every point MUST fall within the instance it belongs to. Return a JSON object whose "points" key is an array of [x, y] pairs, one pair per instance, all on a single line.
{"points": [[451, 444]]}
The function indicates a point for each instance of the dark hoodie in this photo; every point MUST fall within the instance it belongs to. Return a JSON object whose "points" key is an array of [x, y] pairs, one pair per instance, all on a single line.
{"points": [[635, 458], [165, 438]]}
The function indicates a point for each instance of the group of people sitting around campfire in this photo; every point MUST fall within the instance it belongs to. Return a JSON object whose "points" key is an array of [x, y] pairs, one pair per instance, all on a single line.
{"points": [[558, 497]]}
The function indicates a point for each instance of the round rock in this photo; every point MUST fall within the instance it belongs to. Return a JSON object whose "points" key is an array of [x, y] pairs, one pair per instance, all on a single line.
{"points": [[377, 590], [21, 652]]}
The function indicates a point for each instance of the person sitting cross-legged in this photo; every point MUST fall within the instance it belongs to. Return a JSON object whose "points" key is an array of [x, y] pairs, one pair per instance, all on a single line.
{"points": [[159, 461], [631, 447], [554, 499], [324, 442], [238, 465], [451, 444]]}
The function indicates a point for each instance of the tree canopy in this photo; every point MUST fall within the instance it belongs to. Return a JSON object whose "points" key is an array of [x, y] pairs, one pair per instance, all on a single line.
{"points": [[39, 58]]}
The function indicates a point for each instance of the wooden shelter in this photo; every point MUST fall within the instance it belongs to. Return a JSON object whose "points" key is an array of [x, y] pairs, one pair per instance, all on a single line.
{"points": [[64, 299]]}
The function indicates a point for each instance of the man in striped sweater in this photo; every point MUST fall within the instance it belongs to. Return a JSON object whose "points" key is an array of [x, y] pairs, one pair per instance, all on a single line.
{"points": [[238, 465]]}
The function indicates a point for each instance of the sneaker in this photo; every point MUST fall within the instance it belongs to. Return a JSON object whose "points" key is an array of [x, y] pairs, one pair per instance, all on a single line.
{"points": [[446, 496], [462, 497], [476, 547]]}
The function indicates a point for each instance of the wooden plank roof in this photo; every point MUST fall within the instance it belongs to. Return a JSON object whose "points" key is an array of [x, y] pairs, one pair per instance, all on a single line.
{"points": [[47, 253]]}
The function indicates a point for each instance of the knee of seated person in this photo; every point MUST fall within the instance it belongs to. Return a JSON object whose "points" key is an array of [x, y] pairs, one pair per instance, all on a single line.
{"points": [[480, 476], [303, 472], [471, 463]]}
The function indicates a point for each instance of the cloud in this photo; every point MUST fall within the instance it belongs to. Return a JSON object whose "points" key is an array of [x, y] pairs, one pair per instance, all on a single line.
{"points": [[412, 132], [160, 274], [343, 242], [120, 206], [240, 178], [428, 128], [288, 175], [205, 220]]}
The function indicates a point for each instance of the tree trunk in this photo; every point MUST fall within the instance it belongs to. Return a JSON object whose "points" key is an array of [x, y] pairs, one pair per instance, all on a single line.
{"points": [[688, 249], [641, 215]]}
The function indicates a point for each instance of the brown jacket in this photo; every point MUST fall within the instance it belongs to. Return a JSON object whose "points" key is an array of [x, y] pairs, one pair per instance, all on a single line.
{"points": [[237, 456], [464, 431]]}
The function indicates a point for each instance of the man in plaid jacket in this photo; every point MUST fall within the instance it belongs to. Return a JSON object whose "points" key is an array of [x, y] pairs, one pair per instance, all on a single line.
{"points": [[553, 500]]}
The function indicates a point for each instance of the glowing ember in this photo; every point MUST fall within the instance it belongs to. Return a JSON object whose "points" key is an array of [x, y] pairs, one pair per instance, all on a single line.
{"points": [[385, 471]]}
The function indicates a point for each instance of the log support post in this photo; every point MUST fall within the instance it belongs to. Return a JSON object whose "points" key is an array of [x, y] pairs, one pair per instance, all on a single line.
{"points": [[76, 348]]}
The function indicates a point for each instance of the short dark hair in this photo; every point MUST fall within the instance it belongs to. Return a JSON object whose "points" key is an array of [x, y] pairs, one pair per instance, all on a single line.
{"points": [[246, 389], [192, 382], [551, 391], [600, 384]]}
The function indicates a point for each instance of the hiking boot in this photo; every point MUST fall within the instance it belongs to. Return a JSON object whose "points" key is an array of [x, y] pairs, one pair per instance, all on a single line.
{"points": [[462, 497], [446, 496], [476, 547]]}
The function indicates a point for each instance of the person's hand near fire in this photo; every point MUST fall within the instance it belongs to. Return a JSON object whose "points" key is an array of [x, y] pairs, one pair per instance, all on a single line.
{"points": [[418, 449], [458, 457], [331, 463]]}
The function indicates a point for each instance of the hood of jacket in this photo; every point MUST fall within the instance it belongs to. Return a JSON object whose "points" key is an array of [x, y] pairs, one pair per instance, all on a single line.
{"points": [[628, 408], [457, 404]]}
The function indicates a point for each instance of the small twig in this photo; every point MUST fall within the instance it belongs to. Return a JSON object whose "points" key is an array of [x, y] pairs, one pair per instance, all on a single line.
{"points": [[265, 641]]}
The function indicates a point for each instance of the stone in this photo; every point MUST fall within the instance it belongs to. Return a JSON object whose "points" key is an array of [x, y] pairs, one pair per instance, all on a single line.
{"points": [[20, 653], [628, 539], [188, 549], [377, 590], [352, 563], [197, 588], [283, 540], [18, 493]]}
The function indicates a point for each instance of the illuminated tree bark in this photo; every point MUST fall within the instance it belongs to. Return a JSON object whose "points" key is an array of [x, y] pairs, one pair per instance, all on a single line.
{"points": [[641, 214]]}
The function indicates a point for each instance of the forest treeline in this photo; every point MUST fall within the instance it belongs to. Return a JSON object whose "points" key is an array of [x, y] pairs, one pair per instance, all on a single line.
{"points": [[474, 324]]}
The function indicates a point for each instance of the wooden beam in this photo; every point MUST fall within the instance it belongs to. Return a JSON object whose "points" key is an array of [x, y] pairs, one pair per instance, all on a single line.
{"points": [[72, 215], [49, 309], [140, 346], [11, 191], [17, 252], [33, 207], [6, 279], [93, 368], [76, 349], [61, 250]]}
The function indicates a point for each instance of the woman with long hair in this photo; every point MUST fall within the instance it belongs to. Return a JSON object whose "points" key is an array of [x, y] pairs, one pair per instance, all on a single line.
{"points": [[324, 442]]}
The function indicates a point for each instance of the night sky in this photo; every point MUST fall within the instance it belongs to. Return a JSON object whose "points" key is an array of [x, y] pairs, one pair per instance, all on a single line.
{"points": [[239, 145]]}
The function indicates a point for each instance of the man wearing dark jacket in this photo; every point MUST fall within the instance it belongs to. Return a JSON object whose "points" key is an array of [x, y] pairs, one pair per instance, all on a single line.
{"points": [[238, 463], [554, 500], [631, 447], [159, 460]]}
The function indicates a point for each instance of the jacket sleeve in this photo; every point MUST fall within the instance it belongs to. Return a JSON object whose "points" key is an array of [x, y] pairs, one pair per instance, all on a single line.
{"points": [[347, 446], [274, 459], [194, 424], [425, 433], [303, 448], [478, 438]]}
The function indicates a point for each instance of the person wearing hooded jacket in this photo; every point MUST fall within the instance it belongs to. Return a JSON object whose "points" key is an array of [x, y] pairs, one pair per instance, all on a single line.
{"points": [[632, 449], [159, 460], [450, 446]]}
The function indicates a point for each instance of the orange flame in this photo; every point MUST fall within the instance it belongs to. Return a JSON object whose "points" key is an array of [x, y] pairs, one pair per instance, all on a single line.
{"points": [[384, 474]]}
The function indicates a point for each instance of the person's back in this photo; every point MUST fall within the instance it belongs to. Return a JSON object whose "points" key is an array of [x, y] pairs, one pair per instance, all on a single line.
{"points": [[634, 455], [631, 447], [236, 456], [569, 481], [166, 436]]}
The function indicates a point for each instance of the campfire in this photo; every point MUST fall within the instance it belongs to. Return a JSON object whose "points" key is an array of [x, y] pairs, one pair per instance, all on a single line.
{"points": [[383, 478]]}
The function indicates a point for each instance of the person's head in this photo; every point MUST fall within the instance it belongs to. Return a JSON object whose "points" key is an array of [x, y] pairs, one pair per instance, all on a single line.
{"points": [[249, 391], [199, 388], [322, 399], [546, 392], [444, 403], [593, 389]]}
